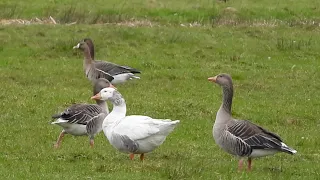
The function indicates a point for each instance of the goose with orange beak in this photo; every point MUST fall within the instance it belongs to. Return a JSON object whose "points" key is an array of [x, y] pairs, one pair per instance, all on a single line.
{"points": [[135, 134], [242, 138]]}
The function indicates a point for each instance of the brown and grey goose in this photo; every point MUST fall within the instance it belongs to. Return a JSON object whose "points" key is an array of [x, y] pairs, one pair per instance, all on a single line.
{"points": [[95, 68], [83, 119], [241, 137]]}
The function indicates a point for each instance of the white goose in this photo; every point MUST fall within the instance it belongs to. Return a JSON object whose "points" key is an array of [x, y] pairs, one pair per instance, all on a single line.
{"points": [[240, 137], [83, 119], [95, 69], [133, 134]]}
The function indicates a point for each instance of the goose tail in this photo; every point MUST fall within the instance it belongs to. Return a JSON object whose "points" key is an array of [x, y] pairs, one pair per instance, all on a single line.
{"points": [[288, 149], [58, 121], [134, 77], [176, 122], [135, 71]]}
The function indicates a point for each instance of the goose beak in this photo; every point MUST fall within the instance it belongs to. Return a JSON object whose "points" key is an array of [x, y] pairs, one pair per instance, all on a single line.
{"points": [[112, 86], [96, 97], [77, 46], [212, 79]]}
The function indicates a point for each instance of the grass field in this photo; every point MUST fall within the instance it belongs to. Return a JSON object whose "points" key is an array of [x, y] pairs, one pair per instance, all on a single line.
{"points": [[270, 48]]}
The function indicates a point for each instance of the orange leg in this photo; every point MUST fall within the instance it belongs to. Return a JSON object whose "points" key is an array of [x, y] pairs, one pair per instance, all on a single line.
{"points": [[249, 164], [91, 143], [142, 157], [57, 144], [131, 156], [240, 165]]}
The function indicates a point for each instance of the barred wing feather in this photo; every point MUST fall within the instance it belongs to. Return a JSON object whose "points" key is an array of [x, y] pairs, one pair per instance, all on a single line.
{"points": [[255, 136]]}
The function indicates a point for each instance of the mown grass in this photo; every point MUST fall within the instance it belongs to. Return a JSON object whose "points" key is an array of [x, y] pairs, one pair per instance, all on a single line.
{"points": [[275, 86], [275, 71]]}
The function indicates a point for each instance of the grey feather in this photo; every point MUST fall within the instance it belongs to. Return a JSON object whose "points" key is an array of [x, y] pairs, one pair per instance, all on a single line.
{"points": [[130, 145], [114, 69], [94, 73], [108, 67], [94, 125], [95, 69], [80, 113], [255, 136], [241, 137], [100, 84]]}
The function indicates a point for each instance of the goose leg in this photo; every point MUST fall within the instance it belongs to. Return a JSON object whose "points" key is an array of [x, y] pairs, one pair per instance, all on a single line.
{"points": [[57, 144], [142, 157], [131, 156], [240, 164], [91, 143], [249, 164]]}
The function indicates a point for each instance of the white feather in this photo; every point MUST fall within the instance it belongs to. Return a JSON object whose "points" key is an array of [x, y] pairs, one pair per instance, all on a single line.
{"points": [[142, 132], [147, 132], [121, 78], [58, 121], [262, 152], [292, 150], [71, 128]]}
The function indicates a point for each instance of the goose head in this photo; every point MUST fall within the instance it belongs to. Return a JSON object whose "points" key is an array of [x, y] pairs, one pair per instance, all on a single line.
{"points": [[106, 94], [88, 41], [100, 84], [221, 79], [81, 45], [225, 81], [91, 46]]}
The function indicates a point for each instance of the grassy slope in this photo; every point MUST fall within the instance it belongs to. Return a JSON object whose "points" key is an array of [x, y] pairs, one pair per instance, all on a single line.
{"points": [[41, 75]]}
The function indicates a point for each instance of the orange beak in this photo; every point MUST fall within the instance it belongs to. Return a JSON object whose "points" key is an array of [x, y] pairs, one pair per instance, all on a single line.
{"points": [[112, 86], [96, 97], [212, 79]]}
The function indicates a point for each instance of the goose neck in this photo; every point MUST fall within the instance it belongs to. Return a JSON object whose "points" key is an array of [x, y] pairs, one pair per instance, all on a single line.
{"points": [[87, 56], [91, 47], [118, 112], [224, 112], [227, 91], [103, 105]]}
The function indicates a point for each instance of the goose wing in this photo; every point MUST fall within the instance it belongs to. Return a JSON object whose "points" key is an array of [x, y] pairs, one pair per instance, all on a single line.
{"points": [[79, 113], [100, 73], [94, 125], [137, 127], [254, 135], [114, 69]]}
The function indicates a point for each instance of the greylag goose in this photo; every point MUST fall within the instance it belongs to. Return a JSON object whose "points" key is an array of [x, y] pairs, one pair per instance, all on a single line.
{"points": [[241, 137], [133, 134], [83, 119], [94, 68]]}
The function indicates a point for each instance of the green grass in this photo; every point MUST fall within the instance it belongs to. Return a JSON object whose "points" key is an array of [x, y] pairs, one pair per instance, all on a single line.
{"points": [[164, 11], [275, 72]]}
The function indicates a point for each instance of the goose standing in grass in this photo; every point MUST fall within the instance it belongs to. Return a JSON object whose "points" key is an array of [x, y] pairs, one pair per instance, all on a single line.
{"points": [[133, 134], [83, 119], [241, 137], [96, 68]]}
